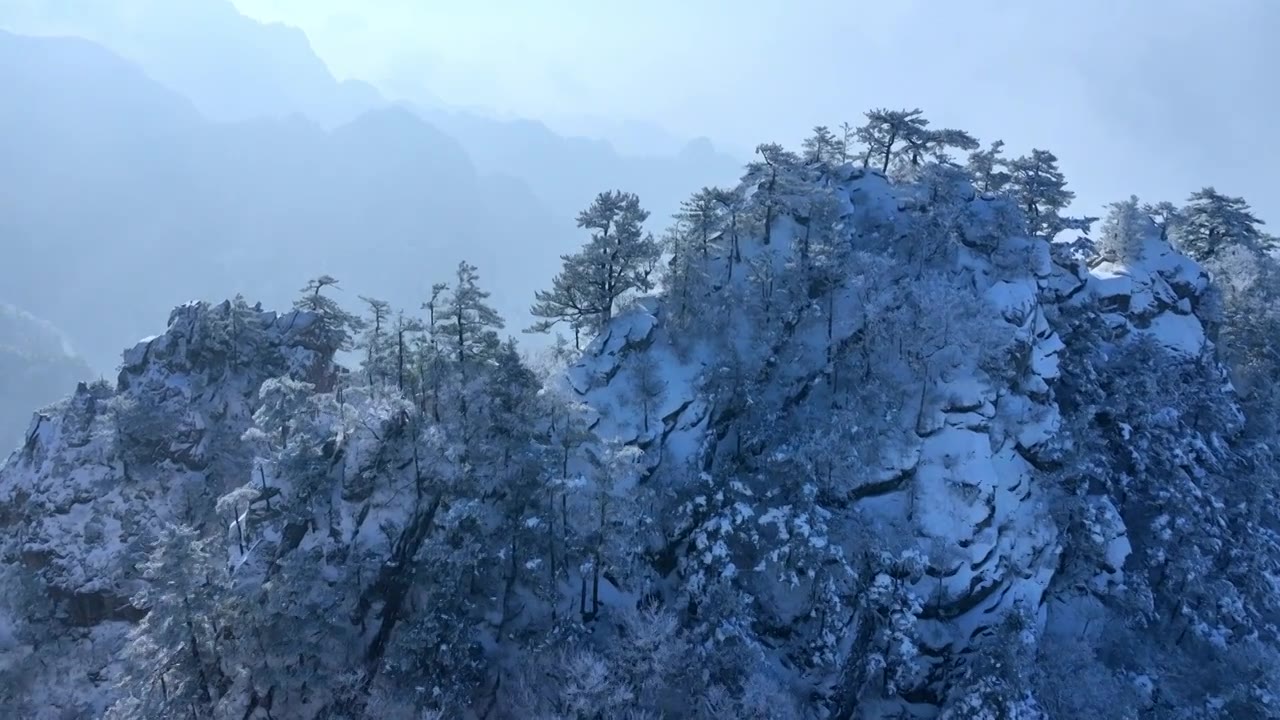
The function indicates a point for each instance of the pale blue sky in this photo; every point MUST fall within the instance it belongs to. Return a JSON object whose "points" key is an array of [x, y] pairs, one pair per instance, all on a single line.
{"points": [[1153, 97]]}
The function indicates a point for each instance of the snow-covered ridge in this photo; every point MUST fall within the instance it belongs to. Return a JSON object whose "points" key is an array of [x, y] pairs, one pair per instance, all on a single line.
{"points": [[853, 432], [100, 471], [81, 463]]}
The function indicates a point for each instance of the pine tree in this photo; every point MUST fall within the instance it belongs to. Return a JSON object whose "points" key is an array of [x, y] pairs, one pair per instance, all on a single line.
{"points": [[375, 343], [404, 328], [886, 130], [467, 325], [467, 329], [987, 167], [649, 386], [173, 654], [334, 327], [776, 178], [1212, 221], [823, 148], [1041, 191], [701, 215], [848, 136], [934, 144], [618, 259], [1166, 216], [1125, 231], [430, 356], [731, 204]]}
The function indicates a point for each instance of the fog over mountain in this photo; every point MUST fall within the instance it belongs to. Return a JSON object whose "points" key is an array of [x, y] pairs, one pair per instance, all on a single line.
{"points": [[121, 199], [151, 154]]}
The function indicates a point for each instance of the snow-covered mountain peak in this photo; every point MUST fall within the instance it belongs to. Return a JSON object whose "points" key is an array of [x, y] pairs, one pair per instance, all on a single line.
{"points": [[971, 408]]}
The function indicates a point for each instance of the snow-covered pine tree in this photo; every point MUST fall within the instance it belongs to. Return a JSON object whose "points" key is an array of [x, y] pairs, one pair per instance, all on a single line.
{"points": [[988, 168], [1212, 221], [619, 258], [1040, 189], [1125, 231]]}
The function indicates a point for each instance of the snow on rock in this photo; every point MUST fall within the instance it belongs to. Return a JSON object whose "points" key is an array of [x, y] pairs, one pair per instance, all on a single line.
{"points": [[1156, 294], [79, 499], [961, 479]]}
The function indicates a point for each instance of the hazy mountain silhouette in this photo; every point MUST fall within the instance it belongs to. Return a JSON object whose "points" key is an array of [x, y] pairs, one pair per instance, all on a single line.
{"points": [[233, 67], [571, 170], [230, 66], [195, 152], [120, 200]]}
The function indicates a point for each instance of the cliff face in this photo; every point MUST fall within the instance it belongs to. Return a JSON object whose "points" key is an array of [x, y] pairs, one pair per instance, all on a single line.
{"points": [[954, 452], [954, 468]]}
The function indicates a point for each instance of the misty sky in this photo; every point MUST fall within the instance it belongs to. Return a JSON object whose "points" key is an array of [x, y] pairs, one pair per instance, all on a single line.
{"points": [[1154, 97]]}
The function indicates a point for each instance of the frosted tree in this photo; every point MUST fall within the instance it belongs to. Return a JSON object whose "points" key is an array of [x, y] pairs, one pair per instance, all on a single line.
{"points": [[375, 342], [684, 276], [776, 178], [1040, 189], [1125, 231], [701, 215], [655, 659], [1211, 221], [429, 356], [173, 653], [823, 147], [886, 130], [935, 144], [511, 402], [988, 168], [608, 520], [731, 204], [405, 329], [334, 328], [649, 386], [1166, 216], [893, 611], [995, 681], [467, 325], [518, 444], [619, 259], [280, 401], [905, 133]]}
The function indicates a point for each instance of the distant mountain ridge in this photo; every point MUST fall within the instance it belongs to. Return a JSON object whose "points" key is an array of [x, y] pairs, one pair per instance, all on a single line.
{"points": [[231, 67], [117, 192], [235, 68], [242, 162]]}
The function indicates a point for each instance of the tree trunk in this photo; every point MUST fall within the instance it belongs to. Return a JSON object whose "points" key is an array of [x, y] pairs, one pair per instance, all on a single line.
{"points": [[595, 585], [888, 151]]}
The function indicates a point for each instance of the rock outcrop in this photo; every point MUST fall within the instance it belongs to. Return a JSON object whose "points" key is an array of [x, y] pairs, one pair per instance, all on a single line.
{"points": [[101, 471]]}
